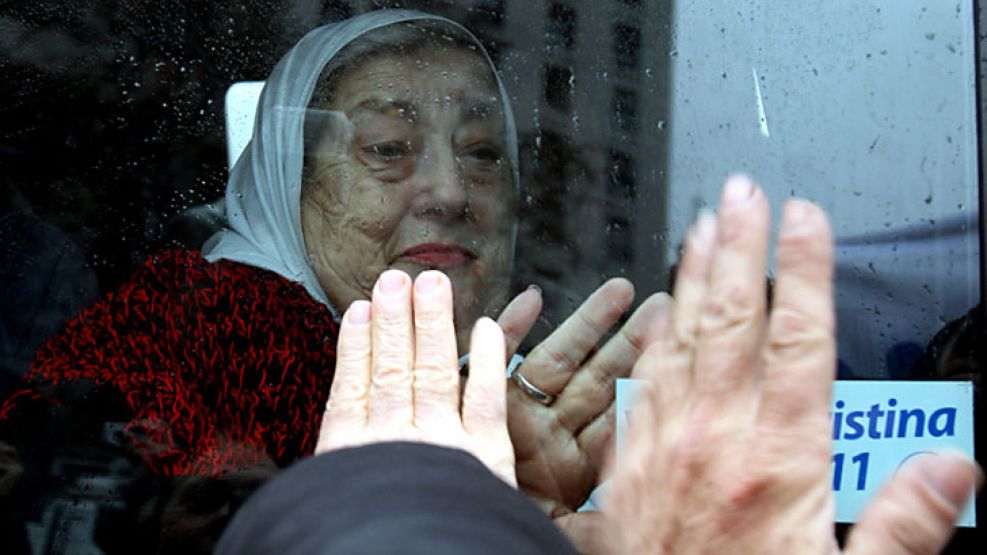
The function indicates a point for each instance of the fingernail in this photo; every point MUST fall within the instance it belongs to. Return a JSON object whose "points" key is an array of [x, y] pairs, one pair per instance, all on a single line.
{"points": [[485, 322], [954, 487], [359, 312], [737, 190], [795, 216], [428, 281], [391, 281], [704, 232], [534, 287]]}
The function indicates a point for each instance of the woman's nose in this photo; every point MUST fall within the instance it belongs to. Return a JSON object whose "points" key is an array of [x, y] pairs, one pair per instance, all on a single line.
{"points": [[441, 189]]}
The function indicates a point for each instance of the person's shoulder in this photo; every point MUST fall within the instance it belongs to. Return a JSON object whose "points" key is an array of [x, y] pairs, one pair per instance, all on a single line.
{"points": [[187, 273]]}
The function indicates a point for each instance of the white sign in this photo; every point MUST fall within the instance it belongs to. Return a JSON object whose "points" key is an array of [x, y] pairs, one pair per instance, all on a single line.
{"points": [[877, 426]]}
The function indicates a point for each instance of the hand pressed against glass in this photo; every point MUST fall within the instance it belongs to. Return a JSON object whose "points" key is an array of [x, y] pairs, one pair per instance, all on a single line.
{"points": [[418, 181], [730, 444], [397, 376]]}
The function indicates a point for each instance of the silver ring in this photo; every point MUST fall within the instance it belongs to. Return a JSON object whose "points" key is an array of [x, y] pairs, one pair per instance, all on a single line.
{"points": [[532, 391]]}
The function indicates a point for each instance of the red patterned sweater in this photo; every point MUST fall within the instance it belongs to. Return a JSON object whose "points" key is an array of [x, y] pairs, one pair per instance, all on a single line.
{"points": [[208, 366]]}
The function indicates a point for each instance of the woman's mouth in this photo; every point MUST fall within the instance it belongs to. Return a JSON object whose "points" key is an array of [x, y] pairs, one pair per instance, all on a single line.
{"points": [[439, 256]]}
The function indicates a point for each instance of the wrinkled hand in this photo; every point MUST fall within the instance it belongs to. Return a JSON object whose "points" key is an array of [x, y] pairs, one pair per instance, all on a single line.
{"points": [[397, 375], [561, 447], [729, 447]]}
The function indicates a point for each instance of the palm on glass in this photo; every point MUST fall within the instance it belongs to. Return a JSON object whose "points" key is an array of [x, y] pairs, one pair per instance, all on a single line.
{"points": [[728, 449], [561, 446], [397, 375]]}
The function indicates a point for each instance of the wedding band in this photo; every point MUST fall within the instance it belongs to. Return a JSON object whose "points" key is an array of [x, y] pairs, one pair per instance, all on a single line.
{"points": [[532, 391]]}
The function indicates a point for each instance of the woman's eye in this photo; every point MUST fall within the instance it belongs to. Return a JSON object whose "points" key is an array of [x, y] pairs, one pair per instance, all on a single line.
{"points": [[484, 154], [389, 151]]}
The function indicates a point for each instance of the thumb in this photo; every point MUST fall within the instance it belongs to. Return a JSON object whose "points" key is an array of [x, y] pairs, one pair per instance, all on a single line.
{"points": [[915, 513]]}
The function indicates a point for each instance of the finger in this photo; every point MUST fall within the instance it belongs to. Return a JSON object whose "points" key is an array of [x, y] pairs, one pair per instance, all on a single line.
{"points": [[800, 351], [675, 348], [484, 399], [346, 409], [731, 320], [666, 367], [915, 513], [585, 531], [436, 370], [394, 351], [667, 364], [692, 281], [551, 364], [519, 316], [591, 389], [596, 438], [484, 412]]}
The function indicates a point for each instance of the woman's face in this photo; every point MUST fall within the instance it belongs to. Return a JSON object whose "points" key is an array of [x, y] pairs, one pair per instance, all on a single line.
{"points": [[414, 177]]}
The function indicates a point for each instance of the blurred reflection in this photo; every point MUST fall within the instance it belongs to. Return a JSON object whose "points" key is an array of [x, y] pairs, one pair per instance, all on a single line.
{"points": [[896, 287], [956, 352]]}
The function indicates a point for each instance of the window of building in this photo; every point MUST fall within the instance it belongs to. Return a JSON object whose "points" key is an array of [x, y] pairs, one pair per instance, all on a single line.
{"points": [[621, 177], [558, 87], [624, 109], [490, 12], [561, 26], [620, 239], [626, 46]]}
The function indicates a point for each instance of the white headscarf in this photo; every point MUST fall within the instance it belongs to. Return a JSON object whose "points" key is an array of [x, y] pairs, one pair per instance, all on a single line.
{"points": [[263, 194]]}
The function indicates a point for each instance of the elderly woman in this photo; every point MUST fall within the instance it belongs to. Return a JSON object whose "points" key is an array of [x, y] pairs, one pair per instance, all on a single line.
{"points": [[382, 142]]}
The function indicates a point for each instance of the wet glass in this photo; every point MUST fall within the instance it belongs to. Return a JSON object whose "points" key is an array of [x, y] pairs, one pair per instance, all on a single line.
{"points": [[114, 149]]}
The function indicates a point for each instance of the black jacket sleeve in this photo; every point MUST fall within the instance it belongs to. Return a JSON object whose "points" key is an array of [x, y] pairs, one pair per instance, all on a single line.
{"points": [[384, 498]]}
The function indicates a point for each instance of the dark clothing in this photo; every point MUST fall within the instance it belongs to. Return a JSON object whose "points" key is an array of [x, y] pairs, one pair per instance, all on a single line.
{"points": [[405, 498], [169, 400], [206, 367], [44, 281]]}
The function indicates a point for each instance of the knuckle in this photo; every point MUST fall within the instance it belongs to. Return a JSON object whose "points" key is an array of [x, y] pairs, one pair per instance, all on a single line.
{"points": [[734, 309], [635, 338], [747, 490], [604, 377], [559, 360], [393, 324], [390, 370], [682, 339], [596, 328], [434, 375], [348, 390], [431, 321], [352, 357], [797, 248], [913, 536], [794, 332]]}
